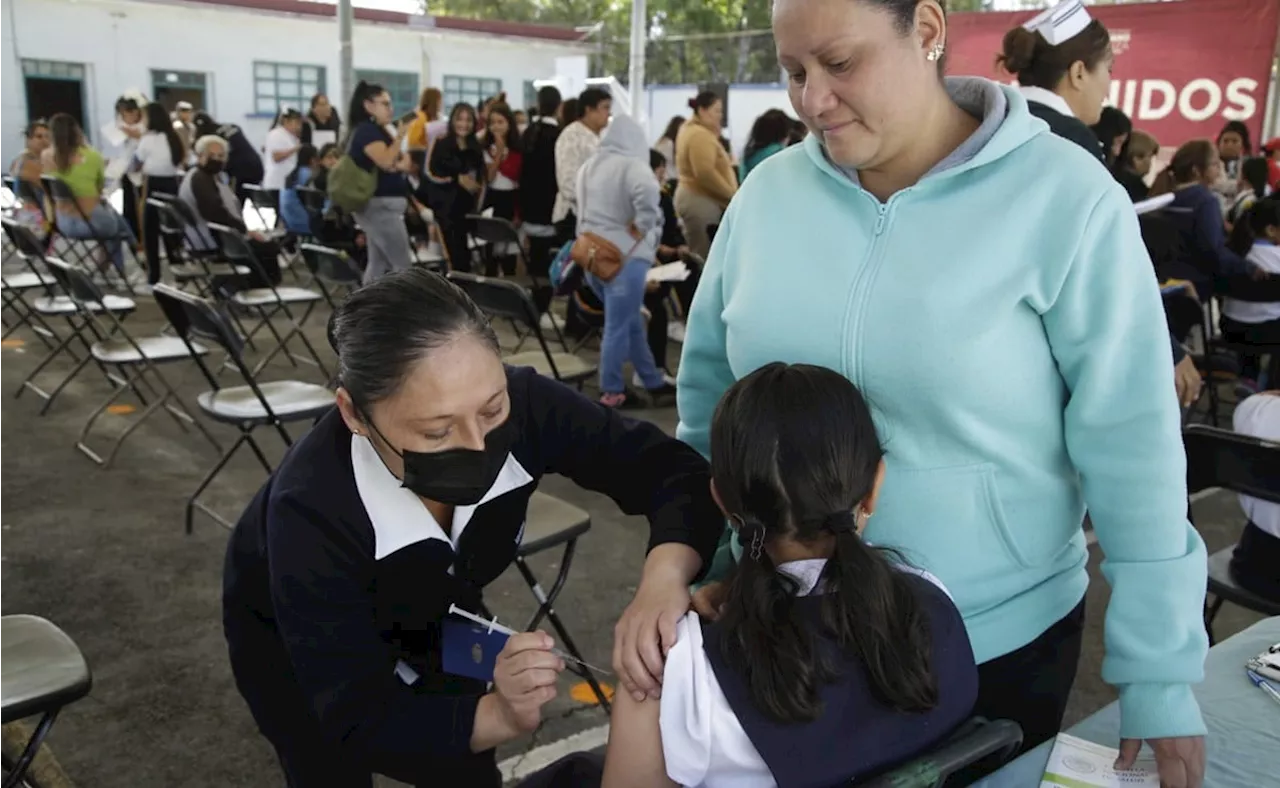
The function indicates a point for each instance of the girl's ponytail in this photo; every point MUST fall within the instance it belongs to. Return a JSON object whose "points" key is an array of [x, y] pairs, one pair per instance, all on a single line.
{"points": [[795, 458], [871, 609], [765, 642]]}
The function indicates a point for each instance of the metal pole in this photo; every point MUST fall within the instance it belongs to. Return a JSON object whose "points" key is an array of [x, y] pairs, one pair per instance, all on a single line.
{"points": [[346, 81], [635, 77]]}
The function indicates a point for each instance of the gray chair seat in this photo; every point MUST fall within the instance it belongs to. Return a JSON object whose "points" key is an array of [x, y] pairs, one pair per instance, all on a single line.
{"points": [[25, 280], [121, 351], [550, 521], [262, 296], [288, 398], [1221, 584], [42, 669], [570, 367], [63, 305], [188, 272]]}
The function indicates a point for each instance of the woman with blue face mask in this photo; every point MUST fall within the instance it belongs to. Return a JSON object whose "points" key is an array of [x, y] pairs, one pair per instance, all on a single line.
{"points": [[408, 497]]}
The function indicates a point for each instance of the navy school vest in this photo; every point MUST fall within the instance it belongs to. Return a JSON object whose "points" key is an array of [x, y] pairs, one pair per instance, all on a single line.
{"points": [[856, 736]]}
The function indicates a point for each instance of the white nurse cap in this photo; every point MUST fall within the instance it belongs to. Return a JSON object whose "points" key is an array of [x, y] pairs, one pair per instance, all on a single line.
{"points": [[1061, 23]]}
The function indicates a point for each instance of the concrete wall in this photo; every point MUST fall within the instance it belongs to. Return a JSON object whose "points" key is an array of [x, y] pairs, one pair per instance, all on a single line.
{"points": [[121, 41], [746, 103]]}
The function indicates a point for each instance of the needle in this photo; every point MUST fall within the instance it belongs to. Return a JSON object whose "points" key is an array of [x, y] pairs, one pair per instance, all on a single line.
{"points": [[494, 626]]}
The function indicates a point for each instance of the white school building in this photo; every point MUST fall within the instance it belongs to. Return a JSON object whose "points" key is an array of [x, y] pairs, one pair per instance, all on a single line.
{"points": [[240, 60]]}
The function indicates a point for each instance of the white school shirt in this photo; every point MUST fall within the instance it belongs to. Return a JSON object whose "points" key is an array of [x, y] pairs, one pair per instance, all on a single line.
{"points": [[500, 182], [703, 743], [127, 148], [155, 157], [1259, 416], [275, 172], [1266, 256]]}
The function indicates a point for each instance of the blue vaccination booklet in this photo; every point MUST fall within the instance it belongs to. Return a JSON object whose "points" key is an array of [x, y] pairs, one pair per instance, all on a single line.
{"points": [[468, 649]]}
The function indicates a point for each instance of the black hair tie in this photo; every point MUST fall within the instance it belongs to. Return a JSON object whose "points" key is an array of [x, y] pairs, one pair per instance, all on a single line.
{"points": [[841, 522]]}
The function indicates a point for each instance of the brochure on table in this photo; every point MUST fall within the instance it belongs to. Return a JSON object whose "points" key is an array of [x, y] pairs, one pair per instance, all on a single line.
{"points": [[1076, 763]]}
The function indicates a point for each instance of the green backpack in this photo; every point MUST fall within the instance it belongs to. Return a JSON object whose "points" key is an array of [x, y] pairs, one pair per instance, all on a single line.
{"points": [[350, 186]]}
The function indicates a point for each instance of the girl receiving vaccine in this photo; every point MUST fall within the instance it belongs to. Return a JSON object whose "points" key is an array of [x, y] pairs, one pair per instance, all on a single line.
{"points": [[829, 659]]}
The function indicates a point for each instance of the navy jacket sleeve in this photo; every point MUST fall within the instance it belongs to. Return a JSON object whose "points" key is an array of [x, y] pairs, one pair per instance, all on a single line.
{"points": [[320, 580], [1178, 352], [644, 470], [1211, 237]]}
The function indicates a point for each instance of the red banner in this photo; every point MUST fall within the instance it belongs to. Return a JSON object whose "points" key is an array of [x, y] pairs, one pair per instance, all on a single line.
{"points": [[1182, 68]]}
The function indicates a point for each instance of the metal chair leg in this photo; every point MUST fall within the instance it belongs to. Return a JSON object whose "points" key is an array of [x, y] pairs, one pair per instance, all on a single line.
{"points": [[546, 602], [19, 769], [194, 503], [1210, 613]]}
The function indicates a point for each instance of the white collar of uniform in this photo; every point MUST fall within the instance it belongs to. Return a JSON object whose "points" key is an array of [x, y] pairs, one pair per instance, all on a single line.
{"points": [[805, 572], [398, 517], [547, 119], [1048, 98], [808, 572]]}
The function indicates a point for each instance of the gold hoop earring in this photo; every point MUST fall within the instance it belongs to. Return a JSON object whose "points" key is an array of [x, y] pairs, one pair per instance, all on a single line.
{"points": [[935, 53]]}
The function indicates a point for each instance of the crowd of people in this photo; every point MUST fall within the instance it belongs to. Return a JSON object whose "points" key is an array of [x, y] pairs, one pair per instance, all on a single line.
{"points": [[1023, 377]]}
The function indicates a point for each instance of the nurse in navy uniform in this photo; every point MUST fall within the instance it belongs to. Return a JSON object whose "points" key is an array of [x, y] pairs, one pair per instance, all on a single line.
{"points": [[1062, 59], [409, 496]]}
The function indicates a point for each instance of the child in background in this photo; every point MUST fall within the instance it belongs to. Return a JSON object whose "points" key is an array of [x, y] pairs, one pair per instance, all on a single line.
{"points": [[1257, 554], [830, 659], [1272, 151], [1257, 322], [296, 219]]}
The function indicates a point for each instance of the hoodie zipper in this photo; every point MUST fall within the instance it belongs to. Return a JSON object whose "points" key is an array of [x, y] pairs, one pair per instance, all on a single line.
{"points": [[860, 292]]}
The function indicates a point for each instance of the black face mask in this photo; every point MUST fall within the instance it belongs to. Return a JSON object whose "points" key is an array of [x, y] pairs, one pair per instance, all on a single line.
{"points": [[457, 477], [213, 166]]}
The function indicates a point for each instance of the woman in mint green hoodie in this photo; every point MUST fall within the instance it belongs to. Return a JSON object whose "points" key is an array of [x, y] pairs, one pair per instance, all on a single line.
{"points": [[985, 284]]}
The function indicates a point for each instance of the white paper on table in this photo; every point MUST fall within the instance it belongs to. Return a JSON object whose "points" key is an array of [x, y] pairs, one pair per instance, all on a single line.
{"points": [[1153, 203], [113, 134], [1076, 763], [322, 137], [671, 272]]}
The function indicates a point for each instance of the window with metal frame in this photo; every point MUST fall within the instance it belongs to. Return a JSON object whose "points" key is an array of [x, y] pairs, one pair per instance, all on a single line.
{"points": [[277, 85], [402, 86], [472, 90]]}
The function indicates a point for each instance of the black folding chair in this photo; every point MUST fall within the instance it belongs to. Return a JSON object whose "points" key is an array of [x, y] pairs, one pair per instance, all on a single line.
{"points": [[499, 233], [269, 302], [1215, 348], [42, 671], [15, 286], [14, 311], [1242, 464], [549, 523], [55, 304], [248, 407], [198, 267], [334, 273], [115, 347], [510, 301], [977, 747], [85, 249]]}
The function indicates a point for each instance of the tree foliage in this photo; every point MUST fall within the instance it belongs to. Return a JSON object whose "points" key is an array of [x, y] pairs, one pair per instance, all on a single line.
{"points": [[690, 41]]}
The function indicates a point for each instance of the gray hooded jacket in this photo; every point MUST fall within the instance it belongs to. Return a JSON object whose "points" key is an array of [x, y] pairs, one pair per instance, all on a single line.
{"points": [[617, 189]]}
